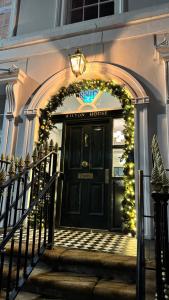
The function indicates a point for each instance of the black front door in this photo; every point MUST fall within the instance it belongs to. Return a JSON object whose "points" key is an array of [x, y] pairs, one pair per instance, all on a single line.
{"points": [[87, 167]]}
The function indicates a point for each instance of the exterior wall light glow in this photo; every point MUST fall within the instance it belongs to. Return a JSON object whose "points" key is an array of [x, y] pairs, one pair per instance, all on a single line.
{"points": [[78, 63]]}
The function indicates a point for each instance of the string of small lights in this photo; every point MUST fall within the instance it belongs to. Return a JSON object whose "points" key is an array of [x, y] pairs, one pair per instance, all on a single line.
{"points": [[47, 124]]}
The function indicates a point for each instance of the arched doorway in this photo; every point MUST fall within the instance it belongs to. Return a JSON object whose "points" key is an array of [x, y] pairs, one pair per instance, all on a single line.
{"points": [[104, 70]]}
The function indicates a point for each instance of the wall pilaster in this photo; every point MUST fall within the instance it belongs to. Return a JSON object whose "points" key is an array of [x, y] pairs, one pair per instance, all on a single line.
{"points": [[32, 117], [142, 156]]}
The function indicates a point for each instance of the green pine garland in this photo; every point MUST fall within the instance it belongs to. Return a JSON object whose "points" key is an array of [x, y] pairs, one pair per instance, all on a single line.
{"points": [[46, 125]]}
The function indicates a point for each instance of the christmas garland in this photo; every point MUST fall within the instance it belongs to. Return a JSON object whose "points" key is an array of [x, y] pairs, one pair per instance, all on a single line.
{"points": [[46, 125]]}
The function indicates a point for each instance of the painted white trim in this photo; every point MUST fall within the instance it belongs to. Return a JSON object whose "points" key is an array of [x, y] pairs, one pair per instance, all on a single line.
{"points": [[30, 124], [94, 70], [57, 14], [108, 71], [141, 100], [142, 162], [119, 6], [7, 138]]}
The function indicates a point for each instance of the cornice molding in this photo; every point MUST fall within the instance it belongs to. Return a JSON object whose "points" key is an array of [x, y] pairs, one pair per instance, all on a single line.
{"points": [[31, 113], [143, 100], [9, 116], [12, 77], [161, 43]]}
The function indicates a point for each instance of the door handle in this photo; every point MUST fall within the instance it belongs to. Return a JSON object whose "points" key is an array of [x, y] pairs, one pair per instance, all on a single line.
{"points": [[84, 164], [107, 176]]}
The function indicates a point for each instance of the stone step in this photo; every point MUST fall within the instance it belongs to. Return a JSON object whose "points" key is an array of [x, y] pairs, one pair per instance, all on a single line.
{"points": [[73, 286], [66, 274], [32, 296], [104, 265]]}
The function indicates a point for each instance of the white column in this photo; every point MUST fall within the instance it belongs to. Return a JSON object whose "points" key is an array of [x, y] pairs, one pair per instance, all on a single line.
{"points": [[29, 136], [142, 157], [7, 138]]}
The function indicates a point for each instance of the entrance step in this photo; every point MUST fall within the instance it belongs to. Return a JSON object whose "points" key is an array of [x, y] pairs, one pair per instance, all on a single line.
{"points": [[71, 286], [98, 264], [66, 274]]}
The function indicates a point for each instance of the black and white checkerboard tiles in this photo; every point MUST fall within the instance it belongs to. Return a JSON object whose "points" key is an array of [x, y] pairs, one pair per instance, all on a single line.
{"points": [[91, 240], [96, 241]]}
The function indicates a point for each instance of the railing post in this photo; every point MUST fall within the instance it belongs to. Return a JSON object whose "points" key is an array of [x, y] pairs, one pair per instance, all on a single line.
{"points": [[5, 226], [161, 244], [140, 241], [52, 206]]}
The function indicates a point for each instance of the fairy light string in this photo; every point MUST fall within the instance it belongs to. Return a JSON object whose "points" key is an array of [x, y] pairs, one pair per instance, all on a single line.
{"points": [[116, 90]]}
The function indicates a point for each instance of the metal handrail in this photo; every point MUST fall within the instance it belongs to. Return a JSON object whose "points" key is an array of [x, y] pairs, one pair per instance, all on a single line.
{"points": [[161, 251], [140, 286], [28, 200]]}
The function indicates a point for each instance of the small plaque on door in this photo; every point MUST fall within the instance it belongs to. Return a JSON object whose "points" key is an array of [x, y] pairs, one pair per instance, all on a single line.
{"points": [[85, 176]]}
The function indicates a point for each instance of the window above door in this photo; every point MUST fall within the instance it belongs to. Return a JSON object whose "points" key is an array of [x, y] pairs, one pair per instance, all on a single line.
{"points": [[83, 10], [89, 100]]}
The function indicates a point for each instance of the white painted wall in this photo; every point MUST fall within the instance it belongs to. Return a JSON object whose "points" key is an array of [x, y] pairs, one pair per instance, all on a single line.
{"points": [[36, 15], [136, 55], [40, 15], [137, 4]]}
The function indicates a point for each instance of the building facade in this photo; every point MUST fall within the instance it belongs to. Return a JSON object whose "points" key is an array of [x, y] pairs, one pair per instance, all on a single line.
{"points": [[123, 41]]}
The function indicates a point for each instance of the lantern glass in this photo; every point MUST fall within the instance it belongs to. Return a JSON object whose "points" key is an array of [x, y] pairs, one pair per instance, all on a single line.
{"points": [[78, 63]]}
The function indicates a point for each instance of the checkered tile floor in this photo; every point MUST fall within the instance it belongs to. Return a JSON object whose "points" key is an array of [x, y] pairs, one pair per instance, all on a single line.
{"points": [[96, 241], [87, 240]]}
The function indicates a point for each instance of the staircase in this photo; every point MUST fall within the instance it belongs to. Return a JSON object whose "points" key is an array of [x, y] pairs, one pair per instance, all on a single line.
{"points": [[83, 275]]}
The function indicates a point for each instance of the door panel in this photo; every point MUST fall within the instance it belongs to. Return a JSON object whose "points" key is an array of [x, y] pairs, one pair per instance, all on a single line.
{"points": [[97, 146], [74, 198], [96, 202], [85, 193], [75, 147]]}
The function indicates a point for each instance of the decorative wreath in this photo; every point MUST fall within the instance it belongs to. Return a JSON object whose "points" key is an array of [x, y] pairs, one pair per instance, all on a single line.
{"points": [[47, 124]]}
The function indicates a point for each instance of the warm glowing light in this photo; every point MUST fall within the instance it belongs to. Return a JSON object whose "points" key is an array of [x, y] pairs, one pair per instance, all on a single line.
{"points": [[119, 136], [78, 63]]}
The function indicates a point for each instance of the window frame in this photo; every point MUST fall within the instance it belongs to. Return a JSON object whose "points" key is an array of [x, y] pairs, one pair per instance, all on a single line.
{"points": [[118, 9], [13, 8]]}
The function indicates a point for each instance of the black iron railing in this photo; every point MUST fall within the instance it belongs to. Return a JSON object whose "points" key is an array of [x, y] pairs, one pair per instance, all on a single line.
{"points": [[160, 247], [140, 287], [27, 219], [5, 164]]}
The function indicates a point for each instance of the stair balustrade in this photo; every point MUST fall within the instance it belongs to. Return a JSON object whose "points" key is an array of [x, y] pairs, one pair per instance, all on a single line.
{"points": [[27, 216], [161, 245], [161, 249], [140, 286]]}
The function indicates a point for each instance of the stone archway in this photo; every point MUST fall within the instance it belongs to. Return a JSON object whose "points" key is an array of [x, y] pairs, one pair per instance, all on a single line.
{"points": [[103, 71], [100, 70]]}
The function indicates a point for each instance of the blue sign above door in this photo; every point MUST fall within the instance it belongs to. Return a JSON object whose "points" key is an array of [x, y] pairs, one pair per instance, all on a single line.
{"points": [[88, 96]]}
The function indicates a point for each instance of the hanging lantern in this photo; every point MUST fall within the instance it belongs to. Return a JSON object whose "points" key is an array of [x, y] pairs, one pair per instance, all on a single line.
{"points": [[78, 63]]}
